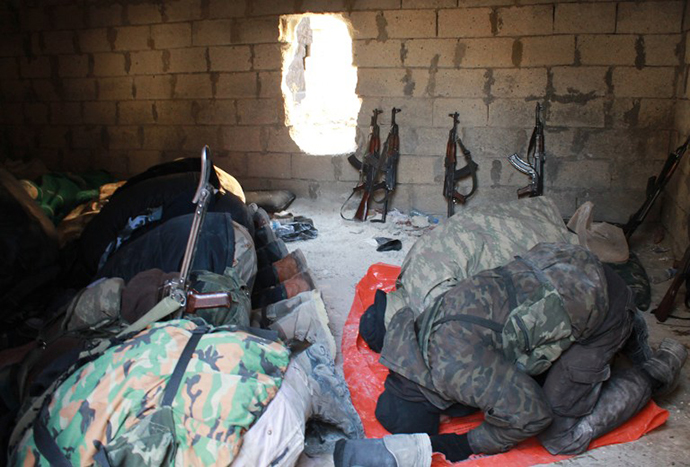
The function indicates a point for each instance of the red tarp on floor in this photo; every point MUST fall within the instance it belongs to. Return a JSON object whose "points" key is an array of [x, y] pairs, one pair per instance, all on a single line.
{"points": [[365, 376]]}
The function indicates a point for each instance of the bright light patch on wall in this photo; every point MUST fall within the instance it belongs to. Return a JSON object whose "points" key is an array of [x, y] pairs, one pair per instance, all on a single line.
{"points": [[319, 82]]}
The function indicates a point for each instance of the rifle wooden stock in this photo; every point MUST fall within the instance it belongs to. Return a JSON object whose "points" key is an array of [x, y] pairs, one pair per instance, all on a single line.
{"points": [[202, 301], [665, 307]]}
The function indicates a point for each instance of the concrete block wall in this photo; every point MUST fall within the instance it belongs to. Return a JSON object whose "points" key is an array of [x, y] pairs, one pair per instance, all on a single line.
{"points": [[124, 85]]}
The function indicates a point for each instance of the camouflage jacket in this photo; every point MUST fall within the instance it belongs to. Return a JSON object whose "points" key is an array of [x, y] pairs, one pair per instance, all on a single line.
{"points": [[479, 342], [177, 393], [479, 238]]}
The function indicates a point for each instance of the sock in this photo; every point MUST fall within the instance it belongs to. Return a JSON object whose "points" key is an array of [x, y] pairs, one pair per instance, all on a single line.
{"points": [[455, 447]]}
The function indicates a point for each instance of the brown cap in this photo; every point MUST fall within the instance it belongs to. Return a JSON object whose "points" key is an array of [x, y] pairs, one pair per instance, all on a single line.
{"points": [[604, 240]]}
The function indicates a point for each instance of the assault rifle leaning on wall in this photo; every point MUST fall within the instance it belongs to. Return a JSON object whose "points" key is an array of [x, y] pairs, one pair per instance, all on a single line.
{"points": [[452, 174], [533, 166]]}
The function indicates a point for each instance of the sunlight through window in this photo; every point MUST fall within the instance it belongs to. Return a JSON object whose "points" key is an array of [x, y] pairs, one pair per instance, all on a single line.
{"points": [[319, 82]]}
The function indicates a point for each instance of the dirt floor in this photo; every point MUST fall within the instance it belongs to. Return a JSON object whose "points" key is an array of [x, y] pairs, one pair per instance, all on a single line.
{"points": [[344, 250]]}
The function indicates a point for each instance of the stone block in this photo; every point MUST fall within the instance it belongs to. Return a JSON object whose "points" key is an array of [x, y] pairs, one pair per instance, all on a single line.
{"points": [[183, 10], [82, 89], [173, 112], [241, 138], [193, 86], [68, 113], [587, 114], [127, 137], [424, 52], [415, 112], [59, 42], [364, 24], [473, 112], [199, 135], [391, 82], [73, 66], [375, 54], [38, 67], [548, 51], [494, 142], [104, 14], [9, 68], [527, 20], [225, 9], [109, 64], [212, 32], [68, 17], [234, 163], [169, 36], [266, 57], [231, 58], [163, 137], [484, 53], [34, 19], [214, 111], [236, 85], [132, 38], [420, 169], [35, 112], [258, 30], [464, 22], [53, 136], [662, 50], [306, 167], [153, 87], [650, 17], [13, 113], [578, 18], [147, 62], [579, 82], [190, 60], [411, 4], [144, 13], [509, 113], [621, 145], [120, 88], [406, 24], [627, 112], [43, 89], [580, 174], [648, 82], [427, 141], [277, 139], [140, 160], [634, 175], [269, 83], [460, 83], [270, 7], [259, 111], [428, 199], [269, 165], [100, 113], [607, 49], [94, 40], [135, 112], [519, 82], [11, 45]]}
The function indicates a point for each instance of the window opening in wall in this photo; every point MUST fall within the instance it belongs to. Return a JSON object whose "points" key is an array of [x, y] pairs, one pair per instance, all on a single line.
{"points": [[319, 82]]}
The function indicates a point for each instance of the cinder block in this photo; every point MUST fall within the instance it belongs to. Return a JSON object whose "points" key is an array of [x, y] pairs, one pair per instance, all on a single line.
{"points": [[366, 4], [43, 89], [579, 80], [607, 49], [34, 19], [460, 83], [209, 112], [225, 9], [375, 54], [147, 62], [174, 112], [484, 53], [11, 45], [578, 18], [191, 60], [59, 42], [650, 17], [570, 173], [104, 14], [145, 13], [38, 67], [662, 50], [634, 175], [244, 138], [153, 87], [193, 86], [73, 65], [100, 113], [109, 64], [94, 40], [231, 58], [427, 141], [69, 17], [415, 112], [405, 24], [648, 82], [622, 145], [234, 163], [305, 167], [512, 83], [278, 139], [258, 30], [212, 32], [259, 111], [548, 51], [510, 113], [419, 169], [9, 68], [428, 3], [169, 36], [125, 137], [464, 22], [135, 112], [586, 114], [198, 136], [487, 143], [163, 137], [77, 89], [269, 84], [233, 85], [140, 160], [473, 112], [269, 165], [182, 10], [364, 25], [528, 20], [132, 38], [87, 137], [391, 82], [656, 113], [266, 57], [67, 113], [115, 89], [423, 52], [270, 7], [35, 112], [53, 136]]}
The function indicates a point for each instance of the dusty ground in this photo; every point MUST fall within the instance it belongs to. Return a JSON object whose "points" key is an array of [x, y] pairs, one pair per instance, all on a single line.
{"points": [[344, 250]]}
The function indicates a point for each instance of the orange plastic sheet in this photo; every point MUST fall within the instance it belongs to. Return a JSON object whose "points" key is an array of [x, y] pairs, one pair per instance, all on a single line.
{"points": [[365, 377]]}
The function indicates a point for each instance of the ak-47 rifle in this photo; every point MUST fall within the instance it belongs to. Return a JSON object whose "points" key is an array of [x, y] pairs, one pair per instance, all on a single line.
{"points": [[655, 185], [391, 156], [663, 311], [452, 174], [368, 170], [533, 166]]}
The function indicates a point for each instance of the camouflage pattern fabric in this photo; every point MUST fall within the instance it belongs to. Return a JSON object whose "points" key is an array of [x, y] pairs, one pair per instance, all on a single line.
{"points": [[112, 405], [479, 238], [238, 313], [98, 303], [481, 340]]}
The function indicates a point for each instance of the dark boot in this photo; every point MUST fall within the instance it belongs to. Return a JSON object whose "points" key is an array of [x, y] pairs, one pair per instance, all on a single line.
{"points": [[390, 451], [665, 365], [269, 254], [302, 282], [292, 264]]}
